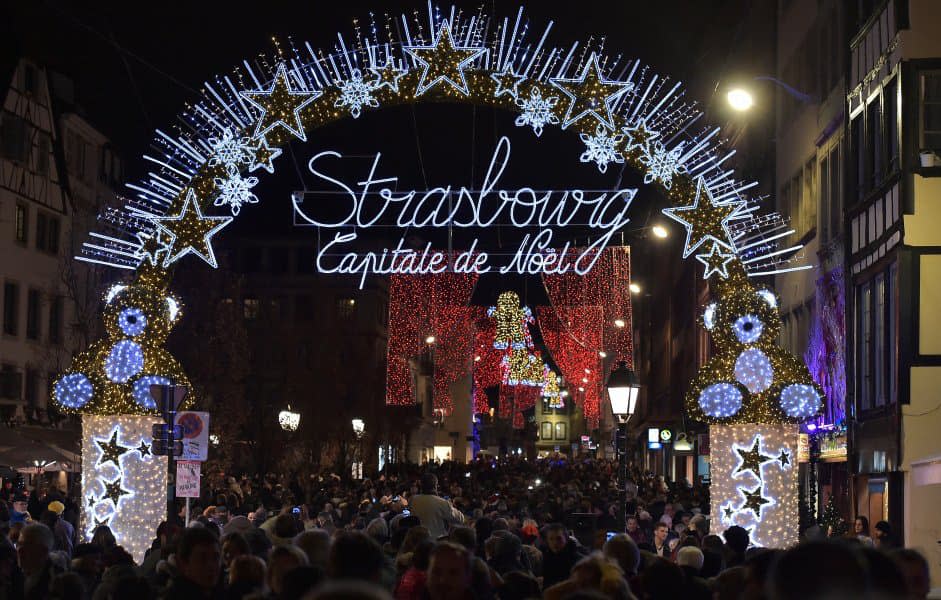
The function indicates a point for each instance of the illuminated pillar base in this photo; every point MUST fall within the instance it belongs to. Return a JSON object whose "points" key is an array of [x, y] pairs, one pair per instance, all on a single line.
{"points": [[753, 468], [124, 485]]}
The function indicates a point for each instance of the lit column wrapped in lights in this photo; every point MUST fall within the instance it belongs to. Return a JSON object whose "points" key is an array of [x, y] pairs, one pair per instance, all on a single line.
{"points": [[754, 481], [124, 486]]}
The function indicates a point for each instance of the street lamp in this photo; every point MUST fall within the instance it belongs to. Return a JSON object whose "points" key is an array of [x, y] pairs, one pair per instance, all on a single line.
{"points": [[635, 288], [288, 419], [358, 427], [623, 390], [660, 231], [740, 99]]}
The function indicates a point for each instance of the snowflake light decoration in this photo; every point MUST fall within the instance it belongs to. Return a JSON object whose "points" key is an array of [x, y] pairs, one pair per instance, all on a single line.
{"points": [[537, 111], [230, 150], [661, 163], [356, 93], [601, 148], [235, 190]]}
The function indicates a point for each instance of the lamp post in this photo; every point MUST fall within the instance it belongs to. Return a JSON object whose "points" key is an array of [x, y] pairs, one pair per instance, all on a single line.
{"points": [[623, 390], [288, 419], [359, 427]]}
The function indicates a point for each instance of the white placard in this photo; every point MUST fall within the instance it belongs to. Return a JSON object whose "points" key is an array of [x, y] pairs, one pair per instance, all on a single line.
{"points": [[187, 478]]}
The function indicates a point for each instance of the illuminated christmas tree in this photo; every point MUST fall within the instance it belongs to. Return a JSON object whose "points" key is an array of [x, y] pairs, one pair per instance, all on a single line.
{"points": [[832, 521]]}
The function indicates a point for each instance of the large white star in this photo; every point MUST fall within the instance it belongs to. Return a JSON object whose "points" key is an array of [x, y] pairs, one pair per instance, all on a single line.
{"points": [[443, 61], [590, 94], [716, 261], [280, 105], [193, 230], [705, 220]]}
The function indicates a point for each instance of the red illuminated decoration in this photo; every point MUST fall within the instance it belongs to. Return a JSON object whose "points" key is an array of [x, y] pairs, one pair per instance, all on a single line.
{"points": [[572, 336]]}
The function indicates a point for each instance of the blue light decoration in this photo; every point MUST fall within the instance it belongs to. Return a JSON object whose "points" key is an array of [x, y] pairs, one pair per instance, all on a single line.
{"points": [[662, 164], [355, 93], [602, 148], [748, 328], [73, 390], [800, 401], [720, 400], [754, 371], [709, 316], [235, 190], [507, 82], [141, 390], [132, 321], [272, 103], [125, 360], [537, 111], [437, 61]]}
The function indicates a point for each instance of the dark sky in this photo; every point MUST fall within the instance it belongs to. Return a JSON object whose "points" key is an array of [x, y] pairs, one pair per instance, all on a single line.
{"points": [[136, 63]]}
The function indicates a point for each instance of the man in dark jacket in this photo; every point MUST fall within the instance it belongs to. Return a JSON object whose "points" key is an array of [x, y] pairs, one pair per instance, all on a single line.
{"points": [[559, 555], [199, 561]]}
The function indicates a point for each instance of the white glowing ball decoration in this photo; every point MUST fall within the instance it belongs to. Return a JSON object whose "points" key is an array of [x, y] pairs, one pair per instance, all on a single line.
{"points": [[800, 401], [748, 329], [125, 360], [720, 400], [754, 370]]}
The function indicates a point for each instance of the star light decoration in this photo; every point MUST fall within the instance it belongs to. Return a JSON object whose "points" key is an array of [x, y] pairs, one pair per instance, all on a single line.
{"points": [[590, 94], [387, 76], [443, 61], [754, 500], [152, 245], [191, 232], [716, 262], [263, 155], [280, 105], [638, 136], [705, 220], [111, 450], [537, 111], [602, 148], [752, 459], [507, 82]]}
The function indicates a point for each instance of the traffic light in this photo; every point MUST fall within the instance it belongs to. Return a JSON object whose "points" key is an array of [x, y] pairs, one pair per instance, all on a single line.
{"points": [[166, 439]]}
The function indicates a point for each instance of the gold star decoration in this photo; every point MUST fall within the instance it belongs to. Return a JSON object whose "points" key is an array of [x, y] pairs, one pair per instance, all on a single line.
{"points": [[387, 76], [114, 491], [111, 451], [754, 500], [729, 511], [443, 61], [152, 245], [784, 458], [705, 220], [92, 501], [143, 449], [508, 82], [752, 459], [590, 94], [716, 261], [280, 105], [191, 232], [263, 156]]}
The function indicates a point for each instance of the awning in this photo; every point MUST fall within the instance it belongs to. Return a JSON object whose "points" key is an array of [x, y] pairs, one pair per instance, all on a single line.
{"points": [[20, 452]]}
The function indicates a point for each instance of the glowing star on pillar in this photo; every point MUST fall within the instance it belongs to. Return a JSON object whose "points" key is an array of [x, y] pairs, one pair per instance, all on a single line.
{"points": [[705, 220], [752, 459], [784, 458], [443, 61], [111, 451], [590, 94], [143, 449], [716, 261], [508, 82], [754, 500], [114, 491], [191, 232], [729, 511], [262, 156], [387, 75], [280, 105]]}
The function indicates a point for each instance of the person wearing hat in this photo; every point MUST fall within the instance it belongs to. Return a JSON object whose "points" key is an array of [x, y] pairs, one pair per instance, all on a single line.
{"points": [[62, 530], [19, 514]]}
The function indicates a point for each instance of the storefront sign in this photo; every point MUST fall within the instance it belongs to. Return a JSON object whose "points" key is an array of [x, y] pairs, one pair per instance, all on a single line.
{"points": [[803, 448], [833, 447]]}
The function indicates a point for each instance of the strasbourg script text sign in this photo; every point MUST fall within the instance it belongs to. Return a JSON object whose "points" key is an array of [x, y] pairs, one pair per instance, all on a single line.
{"points": [[374, 202]]}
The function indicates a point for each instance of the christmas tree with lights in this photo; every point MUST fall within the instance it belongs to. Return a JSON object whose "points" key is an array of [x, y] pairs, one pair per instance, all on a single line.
{"points": [[832, 521]]}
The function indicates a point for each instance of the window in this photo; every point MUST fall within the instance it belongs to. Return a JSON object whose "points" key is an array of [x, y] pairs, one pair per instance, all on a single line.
{"points": [[250, 308], [55, 320], [41, 231], [22, 223], [931, 111], [305, 261], [304, 307], [890, 94], [42, 161], [32, 314], [874, 149], [11, 293], [14, 138], [560, 433], [32, 386], [858, 163], [835, 196], [346, 308], [29, 79], [876, 341], [52, 244]]}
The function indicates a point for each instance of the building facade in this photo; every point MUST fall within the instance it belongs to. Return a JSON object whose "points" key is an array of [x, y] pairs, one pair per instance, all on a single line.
{"points": [[893, 263]]}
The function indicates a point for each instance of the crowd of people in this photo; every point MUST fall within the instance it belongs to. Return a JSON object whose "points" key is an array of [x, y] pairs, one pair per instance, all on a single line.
{"points": [[507, 530]]}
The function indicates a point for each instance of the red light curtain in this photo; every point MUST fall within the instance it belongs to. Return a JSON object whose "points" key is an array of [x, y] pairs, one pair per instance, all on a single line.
{"points": [[486, 370]]}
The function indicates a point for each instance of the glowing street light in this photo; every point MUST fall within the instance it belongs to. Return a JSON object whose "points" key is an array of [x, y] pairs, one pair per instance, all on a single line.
{"points": [[358, 427], [635, 289], [619, 323], [288, 419], [660, 231], [740, 99], [430, 340]]}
